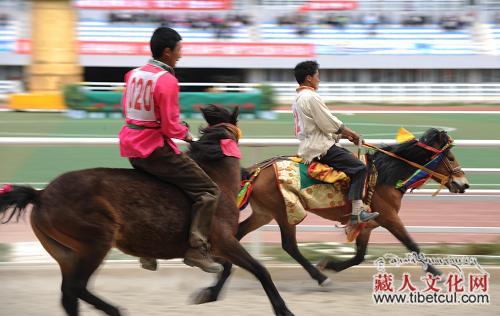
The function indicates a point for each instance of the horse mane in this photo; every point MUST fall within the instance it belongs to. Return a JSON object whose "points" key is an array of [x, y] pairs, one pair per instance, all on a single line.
{"points": [[207, 148], [391, 170]]}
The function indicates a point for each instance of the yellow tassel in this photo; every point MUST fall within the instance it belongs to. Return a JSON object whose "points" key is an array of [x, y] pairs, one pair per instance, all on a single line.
{"points": [[404, 135]]}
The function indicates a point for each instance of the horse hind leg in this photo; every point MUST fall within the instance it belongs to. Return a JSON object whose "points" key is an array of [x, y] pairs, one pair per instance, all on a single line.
{"points": [[85, 266], [76, 269], [64, 257]]}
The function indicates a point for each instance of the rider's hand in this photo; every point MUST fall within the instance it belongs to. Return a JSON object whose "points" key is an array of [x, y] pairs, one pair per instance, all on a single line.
{"points": [[351, 135], [188, 138], [354, 138]]}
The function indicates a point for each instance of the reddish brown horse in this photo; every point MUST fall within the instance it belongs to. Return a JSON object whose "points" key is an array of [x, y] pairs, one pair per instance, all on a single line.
{"points": [[80, 215], [267, 204]]}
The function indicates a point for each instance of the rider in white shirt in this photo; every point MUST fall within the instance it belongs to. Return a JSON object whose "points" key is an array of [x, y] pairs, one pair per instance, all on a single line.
{"points": [[319, 133]]}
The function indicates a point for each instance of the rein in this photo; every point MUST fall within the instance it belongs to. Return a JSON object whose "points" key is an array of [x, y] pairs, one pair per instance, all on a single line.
{"points": [[443, 179]]}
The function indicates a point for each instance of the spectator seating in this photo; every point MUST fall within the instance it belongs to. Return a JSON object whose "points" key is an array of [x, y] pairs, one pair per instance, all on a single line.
{"points": [[351, 39], [7, 36], [106, 32], [384, 39], [495, 30]]}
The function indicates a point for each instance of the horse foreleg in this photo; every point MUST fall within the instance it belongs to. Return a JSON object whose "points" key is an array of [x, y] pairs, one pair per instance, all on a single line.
{"points": [[211, 293], [396, 227], [361, 246], [234, 251], [289, 244]]}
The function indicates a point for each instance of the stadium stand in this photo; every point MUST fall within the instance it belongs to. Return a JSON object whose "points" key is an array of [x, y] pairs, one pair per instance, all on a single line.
{"points": [[8, 33], [434, 41], [140, 32], [386, 39]]}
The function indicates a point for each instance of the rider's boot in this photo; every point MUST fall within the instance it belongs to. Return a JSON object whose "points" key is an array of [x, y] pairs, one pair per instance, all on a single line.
{"points": [[360, 213], [149, 263], [198, 253]]}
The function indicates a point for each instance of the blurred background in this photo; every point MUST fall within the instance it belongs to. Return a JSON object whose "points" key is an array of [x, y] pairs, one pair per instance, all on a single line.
{"points": [[384, 64]]}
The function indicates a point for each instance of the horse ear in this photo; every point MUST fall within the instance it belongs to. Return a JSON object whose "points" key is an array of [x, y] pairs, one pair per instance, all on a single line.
{"points": [[234, 115], [209, 113], [445, 138]]}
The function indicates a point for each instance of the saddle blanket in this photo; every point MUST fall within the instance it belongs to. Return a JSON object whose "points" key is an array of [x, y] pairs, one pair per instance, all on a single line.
{"points": [[302, 193]]}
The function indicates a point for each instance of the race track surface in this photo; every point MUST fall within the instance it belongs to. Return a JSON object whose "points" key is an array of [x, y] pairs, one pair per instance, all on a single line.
{"points": [[34, 291]]}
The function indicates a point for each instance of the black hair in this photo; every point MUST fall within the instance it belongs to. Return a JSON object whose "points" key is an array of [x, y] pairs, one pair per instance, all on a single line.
{"points": [[208, 148], [163, 37], [304, 69]]}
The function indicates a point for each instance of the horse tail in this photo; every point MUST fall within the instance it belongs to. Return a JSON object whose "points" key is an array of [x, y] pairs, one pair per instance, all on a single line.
{"points": [[14, 199]]}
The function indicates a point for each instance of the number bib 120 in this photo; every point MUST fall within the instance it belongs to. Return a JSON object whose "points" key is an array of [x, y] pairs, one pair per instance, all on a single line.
{"points": [[139, 99]]}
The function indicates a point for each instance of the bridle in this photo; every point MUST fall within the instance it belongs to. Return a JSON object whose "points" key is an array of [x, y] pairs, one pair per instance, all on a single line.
{"points": [[446, 161], [443, 179], [451, 170]]}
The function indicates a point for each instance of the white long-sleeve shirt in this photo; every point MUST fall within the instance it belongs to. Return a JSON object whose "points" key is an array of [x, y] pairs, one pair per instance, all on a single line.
{"points": [[315, 127]]}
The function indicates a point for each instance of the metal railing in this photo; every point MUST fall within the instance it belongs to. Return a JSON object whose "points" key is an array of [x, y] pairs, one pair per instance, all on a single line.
{"points": [[429, 92], [255, 143], [373, 92], [255, 247], [245, 142]]}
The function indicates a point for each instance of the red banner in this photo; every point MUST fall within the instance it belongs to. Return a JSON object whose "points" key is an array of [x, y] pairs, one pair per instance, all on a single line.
{"points": [[154, 4], [325, 5], [189, 49]]}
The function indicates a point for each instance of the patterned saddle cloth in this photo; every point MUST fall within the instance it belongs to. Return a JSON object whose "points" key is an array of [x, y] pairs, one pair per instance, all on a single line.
{"points": [[302, 193]]}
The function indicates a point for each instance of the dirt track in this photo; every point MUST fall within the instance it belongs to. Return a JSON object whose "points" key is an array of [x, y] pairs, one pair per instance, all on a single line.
{"points": [[34, 291]]}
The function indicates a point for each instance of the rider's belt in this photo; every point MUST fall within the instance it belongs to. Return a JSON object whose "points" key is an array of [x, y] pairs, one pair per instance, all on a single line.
{"points": [[140, 127]]}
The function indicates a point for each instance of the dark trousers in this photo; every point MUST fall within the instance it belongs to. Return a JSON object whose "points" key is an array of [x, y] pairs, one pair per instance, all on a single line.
{"points": [[184, 172], [342, 159]]}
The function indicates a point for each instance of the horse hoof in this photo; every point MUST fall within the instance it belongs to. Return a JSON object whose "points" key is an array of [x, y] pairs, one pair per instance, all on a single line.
{"points": [[326, 282], [113, 312], [203, 296], [286, 312]]}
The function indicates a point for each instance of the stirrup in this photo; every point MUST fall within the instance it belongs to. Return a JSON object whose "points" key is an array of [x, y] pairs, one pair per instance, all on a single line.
{"points": [[362, 217]]}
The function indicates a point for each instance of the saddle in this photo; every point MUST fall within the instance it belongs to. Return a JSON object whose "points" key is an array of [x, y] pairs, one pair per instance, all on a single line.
{"points": [[303, 193], [310, 187], [318, 187]]}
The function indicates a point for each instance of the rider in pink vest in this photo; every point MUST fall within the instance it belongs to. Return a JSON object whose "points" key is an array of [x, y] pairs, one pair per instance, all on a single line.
{"points": [[151, 107]]}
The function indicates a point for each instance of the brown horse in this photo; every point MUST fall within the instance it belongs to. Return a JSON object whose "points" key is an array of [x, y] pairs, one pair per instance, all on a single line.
{"points": [[80, 215], [267, 204]]}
